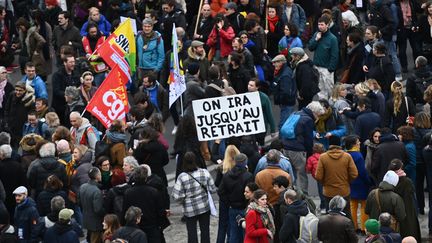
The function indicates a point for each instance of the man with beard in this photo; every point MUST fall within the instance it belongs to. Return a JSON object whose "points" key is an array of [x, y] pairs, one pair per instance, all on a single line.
{"points": [[248, 58], [65, 34], [171, 14], [205, 24], [197, 54], [26, 215], [64, 77], [91, 42]]}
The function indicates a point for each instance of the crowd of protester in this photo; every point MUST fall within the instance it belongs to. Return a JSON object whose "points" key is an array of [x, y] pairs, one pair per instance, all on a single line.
{"points": [[355, 113]]}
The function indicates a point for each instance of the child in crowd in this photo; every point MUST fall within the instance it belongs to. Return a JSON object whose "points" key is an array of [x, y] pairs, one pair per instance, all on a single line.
{"points": [[311, 167]]}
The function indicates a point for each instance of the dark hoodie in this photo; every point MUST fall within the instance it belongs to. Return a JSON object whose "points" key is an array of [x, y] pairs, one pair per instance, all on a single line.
{"points": [[61, 232], [417, 83], [131, 233], [41, 168], [290, 229], [232, 187]]}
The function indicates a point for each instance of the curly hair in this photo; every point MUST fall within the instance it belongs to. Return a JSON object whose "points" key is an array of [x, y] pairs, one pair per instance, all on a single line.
{"points": [[407, 133], [396, 89]]}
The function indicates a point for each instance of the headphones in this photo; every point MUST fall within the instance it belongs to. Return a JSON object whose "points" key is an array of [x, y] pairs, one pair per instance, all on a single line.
{"points": [[85, 74]]}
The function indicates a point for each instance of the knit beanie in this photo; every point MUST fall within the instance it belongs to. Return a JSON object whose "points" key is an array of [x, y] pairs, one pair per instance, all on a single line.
{"points": [[372, 226]]}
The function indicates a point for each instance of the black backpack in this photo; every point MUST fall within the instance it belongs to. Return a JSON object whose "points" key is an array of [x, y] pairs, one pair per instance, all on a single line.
{"points": [[422, 84]]}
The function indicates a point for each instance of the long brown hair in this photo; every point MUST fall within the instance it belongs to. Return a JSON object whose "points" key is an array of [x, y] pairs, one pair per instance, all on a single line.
{"points": [[396, 89], [113, 224]]}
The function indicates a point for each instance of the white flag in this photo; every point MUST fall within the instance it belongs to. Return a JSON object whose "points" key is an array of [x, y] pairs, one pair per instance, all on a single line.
{"points": [[176, 80]]}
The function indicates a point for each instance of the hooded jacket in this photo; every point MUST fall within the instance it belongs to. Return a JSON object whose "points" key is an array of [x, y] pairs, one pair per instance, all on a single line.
{"points": [[84, 134], [420, 77], [336, 170], [290, 229], [61, 233], [232, 186], [307, 84], [390, 202], [104, 26], [26, 216], [202, 60], [131, 233], [304, 133], [41, 168], [152, 57]]}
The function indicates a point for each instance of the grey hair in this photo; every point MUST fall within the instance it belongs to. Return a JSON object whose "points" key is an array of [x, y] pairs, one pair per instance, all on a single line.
{"points": [[131, 161], [316, 108], [337, 203], [72, 92], [5, 138], [149, 173], [290, 194], [6, 151], [273, 155], [57, 203], [132, 214], [180, 32], [421, 61], [385, 219], [47, 150]]}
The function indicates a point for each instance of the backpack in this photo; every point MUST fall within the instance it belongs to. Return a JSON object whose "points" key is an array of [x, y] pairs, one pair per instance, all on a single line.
{"points": [[308, 230], [422, 84], [288, 129], [226, 91]]}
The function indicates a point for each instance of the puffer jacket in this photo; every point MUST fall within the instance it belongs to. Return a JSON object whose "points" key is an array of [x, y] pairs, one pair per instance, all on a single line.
{"points": [[25, 214], [104, 26], [41, 168]]}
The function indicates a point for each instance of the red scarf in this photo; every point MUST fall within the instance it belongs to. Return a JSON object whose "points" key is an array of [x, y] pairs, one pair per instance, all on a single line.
{"points": [[272, 22], [343, 7]]}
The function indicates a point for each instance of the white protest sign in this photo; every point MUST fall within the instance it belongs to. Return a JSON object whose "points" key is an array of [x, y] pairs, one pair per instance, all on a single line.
{"points": [[228, 116]]}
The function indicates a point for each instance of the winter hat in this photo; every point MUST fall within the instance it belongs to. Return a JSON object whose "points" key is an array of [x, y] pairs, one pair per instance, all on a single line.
{"points": [[29, 141], [197, 43], [334, 140], [241, 160], [66, 214], [372, 226], [297, 51], [391, 177], [51, 2], [231, 5], [63, 146], [193, 68]]}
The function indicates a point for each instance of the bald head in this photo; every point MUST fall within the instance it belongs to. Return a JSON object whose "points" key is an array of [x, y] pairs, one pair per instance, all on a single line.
{"points": [[409, 239], [75, 119]]}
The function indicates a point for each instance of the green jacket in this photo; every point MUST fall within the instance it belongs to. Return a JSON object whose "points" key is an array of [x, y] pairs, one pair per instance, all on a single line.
{"points": [[326, 51], [267, 112], [390, 202]]}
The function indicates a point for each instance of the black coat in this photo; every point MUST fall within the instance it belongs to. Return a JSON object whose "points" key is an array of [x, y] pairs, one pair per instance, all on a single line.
{"points": [[388, 149], [204, 29], [239, 79], [8, 91], [43, 200], [61, 80], [424, 30], [306, 84], [382, 71], [381, 16], [61, 233], [155, 155], [40, 169], [232, 185], [131, 233], [16, 111], [12, 175], [415, 82], [355, 64], [273, 39], [290, 229], [149, 200], [395, 121]]}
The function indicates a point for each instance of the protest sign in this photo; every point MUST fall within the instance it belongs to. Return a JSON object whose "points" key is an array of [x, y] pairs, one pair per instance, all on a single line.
{"points": [[227, 116]]}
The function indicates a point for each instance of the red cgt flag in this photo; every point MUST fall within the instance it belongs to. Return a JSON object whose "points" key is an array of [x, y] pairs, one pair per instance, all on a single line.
{"points": [[110, 102]]}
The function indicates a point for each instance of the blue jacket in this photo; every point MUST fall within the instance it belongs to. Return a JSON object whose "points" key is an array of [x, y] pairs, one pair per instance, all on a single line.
{"points": [[283, 163], [298, 17], [41, 129], [39, 87], [103, 24], [360, 186], [291, 42], [365, 123], [26, 221], [326, 51], [304, 133], [410, 165], [152, 57], [284, 87], [61, 233]]}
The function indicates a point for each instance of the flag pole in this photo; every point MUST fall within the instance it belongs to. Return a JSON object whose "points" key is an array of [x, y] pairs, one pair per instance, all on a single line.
{"points": [[181, 104], [198, 17]]}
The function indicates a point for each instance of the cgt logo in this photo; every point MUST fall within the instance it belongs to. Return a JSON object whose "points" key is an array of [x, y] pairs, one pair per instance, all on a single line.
{"points": [[117, 107]]}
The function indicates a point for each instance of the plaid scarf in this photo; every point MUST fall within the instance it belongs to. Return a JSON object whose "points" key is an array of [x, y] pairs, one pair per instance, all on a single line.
{"points": [[265, 214]]}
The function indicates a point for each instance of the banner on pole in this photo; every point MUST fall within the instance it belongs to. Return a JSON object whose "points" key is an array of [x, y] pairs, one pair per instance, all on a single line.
{"points": [[228, 116], [177, 82]]}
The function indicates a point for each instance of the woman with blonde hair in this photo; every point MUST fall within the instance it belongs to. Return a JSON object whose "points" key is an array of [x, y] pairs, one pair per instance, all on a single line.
{"points": [[339, 102], [398, 108], [225, 165], [377, 96]]}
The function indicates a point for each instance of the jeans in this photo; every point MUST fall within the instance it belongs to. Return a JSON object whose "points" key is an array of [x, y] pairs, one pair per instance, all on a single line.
{"points": [[321, 196], [236, 232], [223, 223], [391, 50], [298, 161], [204, 224], [285, 112]]}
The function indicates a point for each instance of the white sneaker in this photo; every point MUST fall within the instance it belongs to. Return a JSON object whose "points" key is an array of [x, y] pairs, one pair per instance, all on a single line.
{"points": [[174, 131]]}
